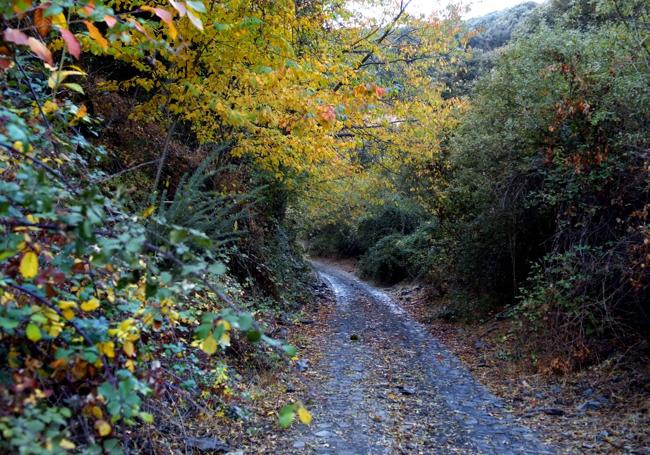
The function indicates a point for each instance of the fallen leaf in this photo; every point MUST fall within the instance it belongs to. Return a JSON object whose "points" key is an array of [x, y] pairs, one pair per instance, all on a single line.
{"points": [[304, 415], [103, 428]]}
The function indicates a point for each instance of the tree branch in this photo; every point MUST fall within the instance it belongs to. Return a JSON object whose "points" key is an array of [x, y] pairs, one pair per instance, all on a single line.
{"points": [[387, 32]]}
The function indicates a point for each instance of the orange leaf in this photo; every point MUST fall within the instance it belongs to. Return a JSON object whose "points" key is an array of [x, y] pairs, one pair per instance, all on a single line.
{"points": [[82, 111], [164, 15], [180, 7], [15, 36], [40, 50], [173, 33], [71, 43], [110, 21], [42, 23], [58, 363], [88, 9], [327, 113], [5, 63], [138, 26], [96, 35]]}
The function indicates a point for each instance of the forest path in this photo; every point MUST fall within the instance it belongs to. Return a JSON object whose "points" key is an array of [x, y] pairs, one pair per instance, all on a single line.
{"points": [[386, 386]]}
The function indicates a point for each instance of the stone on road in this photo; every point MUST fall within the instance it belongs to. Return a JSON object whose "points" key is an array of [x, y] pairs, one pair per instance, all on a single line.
{"points": [[389, 387]]}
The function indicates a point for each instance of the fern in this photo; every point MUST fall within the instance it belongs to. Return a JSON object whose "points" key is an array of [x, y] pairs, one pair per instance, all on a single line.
{"points": [[196, 205]]}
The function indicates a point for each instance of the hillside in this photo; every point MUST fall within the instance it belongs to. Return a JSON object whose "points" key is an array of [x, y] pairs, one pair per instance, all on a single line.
{"points": [[495, 29]]}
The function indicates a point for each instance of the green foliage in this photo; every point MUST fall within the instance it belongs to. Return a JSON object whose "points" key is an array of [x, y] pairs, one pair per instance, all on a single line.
{"points": [[354, 239], [586, 14], [489, 34], [334, 240], [83, 290], [561, 295], [288, 413], [38, 430], [540, 195], [395, 257], [386, 261], [542, 191], [550, 163], [274, 264], [386, 221]]}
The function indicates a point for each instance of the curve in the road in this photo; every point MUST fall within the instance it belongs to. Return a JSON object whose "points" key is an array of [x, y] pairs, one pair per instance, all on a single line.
{"points": [[390, 387]]}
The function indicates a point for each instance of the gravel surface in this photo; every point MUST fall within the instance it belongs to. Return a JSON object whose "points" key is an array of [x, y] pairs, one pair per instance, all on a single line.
{"points": [[385, 386]]}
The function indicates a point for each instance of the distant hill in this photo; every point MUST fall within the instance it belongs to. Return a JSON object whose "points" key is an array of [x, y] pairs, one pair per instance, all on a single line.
{"points": [[495, 29]]}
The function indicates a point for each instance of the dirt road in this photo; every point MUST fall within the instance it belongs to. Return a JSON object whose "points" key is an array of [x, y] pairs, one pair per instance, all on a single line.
{"points": [[389, 387]]}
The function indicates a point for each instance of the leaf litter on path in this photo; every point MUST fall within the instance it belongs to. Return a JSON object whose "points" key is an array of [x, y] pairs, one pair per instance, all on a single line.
{"points": [[393, 388]]}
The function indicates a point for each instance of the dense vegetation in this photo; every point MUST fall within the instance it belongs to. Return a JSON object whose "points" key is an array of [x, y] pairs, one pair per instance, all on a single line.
{"points": [[154, 156], [537, 201], [161, 160]]}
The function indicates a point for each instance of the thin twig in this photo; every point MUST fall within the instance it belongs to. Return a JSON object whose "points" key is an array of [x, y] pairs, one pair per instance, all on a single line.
{"points": [[163, 157], [40, 164], [124, 171]]}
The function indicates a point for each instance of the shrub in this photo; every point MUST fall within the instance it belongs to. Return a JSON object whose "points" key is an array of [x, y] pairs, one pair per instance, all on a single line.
{"points": [[386, 262], [580, 296], [334, 240], [196, 205], [550, 172], [355, 239], [386, 221], [419, 255]]}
